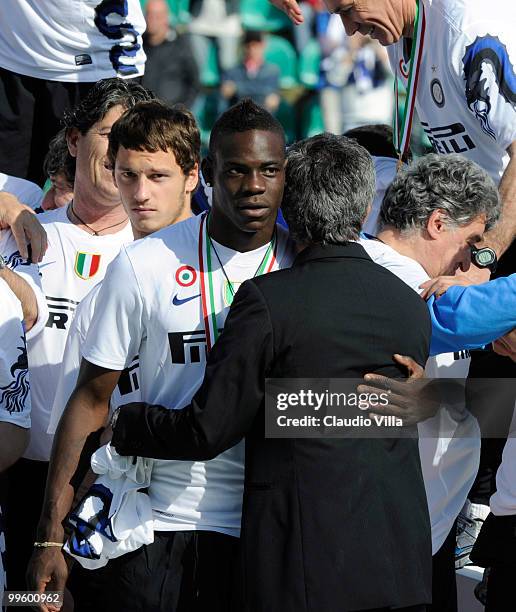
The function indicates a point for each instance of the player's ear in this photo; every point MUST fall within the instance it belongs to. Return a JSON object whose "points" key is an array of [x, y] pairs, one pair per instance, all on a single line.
{"points": [[207, 170], [72, 135], [192, 178]]}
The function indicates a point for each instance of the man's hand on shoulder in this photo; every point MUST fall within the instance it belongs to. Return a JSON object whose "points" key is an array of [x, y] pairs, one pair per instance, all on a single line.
{"points": [[24, 225]]}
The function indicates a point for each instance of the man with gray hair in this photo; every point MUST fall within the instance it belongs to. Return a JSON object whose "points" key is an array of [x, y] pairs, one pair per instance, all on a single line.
{"points": [[324, 504], [433, 214]]}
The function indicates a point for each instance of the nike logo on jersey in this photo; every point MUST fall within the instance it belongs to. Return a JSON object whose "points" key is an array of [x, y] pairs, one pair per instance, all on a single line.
{"points": [[177, 301]]}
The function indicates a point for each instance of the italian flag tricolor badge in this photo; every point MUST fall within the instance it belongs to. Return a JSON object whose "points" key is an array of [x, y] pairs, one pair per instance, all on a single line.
{"points": [[86, 265]]}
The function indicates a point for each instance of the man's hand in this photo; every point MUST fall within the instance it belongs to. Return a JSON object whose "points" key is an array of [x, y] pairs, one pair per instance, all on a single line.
{"points": [[291, 9], [506, 345], [412, 400], [47, 571], [440, 284], [24, 225]]}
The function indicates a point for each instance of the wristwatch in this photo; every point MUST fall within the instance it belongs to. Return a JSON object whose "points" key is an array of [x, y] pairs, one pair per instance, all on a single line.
{"points": [[484, 258]]}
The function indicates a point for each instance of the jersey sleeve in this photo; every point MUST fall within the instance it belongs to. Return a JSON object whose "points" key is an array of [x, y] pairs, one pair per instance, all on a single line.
{"points": [[14, 377], [118, 325], [488, 61], [470, 317]]}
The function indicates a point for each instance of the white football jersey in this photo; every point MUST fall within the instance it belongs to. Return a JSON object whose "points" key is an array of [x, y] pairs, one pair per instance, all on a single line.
{"points": [[449, 464], [74, 263], [14, 378], [72, 40], [150, 304], [466, 96], [128, 387]]}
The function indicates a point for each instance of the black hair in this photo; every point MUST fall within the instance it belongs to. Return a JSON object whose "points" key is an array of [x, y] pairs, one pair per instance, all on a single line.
{"points": [[58, 160], [377, 139], [244, 116], [101, 98]]}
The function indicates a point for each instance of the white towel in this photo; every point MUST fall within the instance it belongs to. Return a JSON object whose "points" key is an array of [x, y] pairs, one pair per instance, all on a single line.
{"points": [[115, 516]]}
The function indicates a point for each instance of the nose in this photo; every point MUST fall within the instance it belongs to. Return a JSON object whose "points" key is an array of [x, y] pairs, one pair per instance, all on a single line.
{"points": [[254, 182], [141, 193]]}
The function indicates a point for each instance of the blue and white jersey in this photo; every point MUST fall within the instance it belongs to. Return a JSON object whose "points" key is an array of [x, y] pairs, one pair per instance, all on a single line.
{"points": [[466, 97], [72, 41], [14, 379]]}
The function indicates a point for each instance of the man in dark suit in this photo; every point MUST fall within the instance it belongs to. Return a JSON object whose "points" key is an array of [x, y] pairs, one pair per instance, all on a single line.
{"points": [[328, 524]]}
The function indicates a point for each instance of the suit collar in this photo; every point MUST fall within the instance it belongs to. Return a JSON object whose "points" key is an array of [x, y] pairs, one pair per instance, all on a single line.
{"points": [[317, 251]]}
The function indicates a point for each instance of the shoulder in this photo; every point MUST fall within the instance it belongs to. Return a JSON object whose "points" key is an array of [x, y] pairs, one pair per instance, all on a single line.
{"points": [[172, 242], [27, 192], [57, 216]]}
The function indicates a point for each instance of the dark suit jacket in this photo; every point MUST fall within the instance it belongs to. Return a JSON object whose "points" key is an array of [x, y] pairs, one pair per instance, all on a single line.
{"points": [[328, 525]]}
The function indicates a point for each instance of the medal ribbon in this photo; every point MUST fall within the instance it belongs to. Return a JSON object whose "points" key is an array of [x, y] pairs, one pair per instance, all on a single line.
{"points": [[402, 132], [206, 279]]}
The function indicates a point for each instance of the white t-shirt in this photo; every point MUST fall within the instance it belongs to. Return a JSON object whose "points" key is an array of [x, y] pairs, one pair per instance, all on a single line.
{"points": [[149, 304], [27, 192], [128, 387], [74, 263], [449, 464], [14, 378], [72, 40], [465, 96]]}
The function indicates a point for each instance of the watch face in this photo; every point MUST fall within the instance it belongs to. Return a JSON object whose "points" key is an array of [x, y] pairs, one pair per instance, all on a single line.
{"points": [[484, 258]]}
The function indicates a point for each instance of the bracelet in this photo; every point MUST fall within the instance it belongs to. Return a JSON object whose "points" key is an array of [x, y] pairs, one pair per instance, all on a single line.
{"points": [[47, 544]]}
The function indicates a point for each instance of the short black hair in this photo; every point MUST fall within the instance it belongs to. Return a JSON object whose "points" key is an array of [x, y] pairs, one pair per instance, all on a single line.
{"points": [[244, 116], [101, 98], [377, 139]]}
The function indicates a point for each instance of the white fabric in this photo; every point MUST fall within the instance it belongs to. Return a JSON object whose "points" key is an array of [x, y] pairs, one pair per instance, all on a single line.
{"points": [[503, 502], [15, 405], [449, 464], [63, 289], [73, 41], [26, 192], [142, 309], [130, 522], [453, 25], [128, 388], [385, 171], [14, 379]]}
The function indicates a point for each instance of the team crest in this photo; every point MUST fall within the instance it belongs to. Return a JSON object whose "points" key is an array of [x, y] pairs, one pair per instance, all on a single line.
{"points": [[186, 276], [436, 89], [86, 265]]}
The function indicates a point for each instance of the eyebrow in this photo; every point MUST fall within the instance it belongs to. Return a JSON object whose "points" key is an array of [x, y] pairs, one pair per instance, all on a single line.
{"points": [[152, 170]]}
